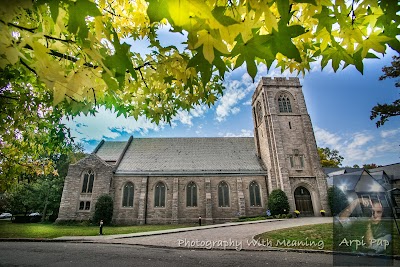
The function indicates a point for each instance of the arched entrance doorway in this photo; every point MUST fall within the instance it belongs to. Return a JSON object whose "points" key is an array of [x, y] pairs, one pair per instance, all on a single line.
{"points": [[303, 201]]}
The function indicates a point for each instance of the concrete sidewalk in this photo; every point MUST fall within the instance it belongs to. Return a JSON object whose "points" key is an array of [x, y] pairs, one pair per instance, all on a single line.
{"points": [[220, 236]]}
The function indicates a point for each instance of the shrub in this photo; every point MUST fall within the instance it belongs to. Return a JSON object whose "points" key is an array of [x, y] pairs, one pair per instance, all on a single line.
{"points": [[103, 210], [278, 202], [289, 215], [337, 200]]}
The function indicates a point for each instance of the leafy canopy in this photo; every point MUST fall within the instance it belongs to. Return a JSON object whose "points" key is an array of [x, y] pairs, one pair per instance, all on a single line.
{"points": [[329, 158], [384, 111], [75, 48]]}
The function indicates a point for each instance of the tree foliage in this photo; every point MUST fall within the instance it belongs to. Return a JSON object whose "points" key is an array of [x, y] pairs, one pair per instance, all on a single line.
{"points": [[329, 158], [337, 200], [41, 193], [78, 49], [103, 209], [278, 202], [385, 111], [31, 132], [66, 57], [370, 166]]}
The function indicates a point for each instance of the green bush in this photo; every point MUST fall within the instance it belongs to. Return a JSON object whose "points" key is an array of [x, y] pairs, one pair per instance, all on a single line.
{"points": [[337, 200], [103, 210], [278, 202], [289, 215]]}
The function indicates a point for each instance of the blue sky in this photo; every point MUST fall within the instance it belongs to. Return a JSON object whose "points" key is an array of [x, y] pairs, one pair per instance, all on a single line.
{"points": [[339, 105]]}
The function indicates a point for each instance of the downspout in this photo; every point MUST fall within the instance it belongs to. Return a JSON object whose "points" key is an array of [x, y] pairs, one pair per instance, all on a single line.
{"points": [[147, 196]]}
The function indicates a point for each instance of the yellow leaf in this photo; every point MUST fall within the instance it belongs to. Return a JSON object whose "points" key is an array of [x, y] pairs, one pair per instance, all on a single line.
{"points": [[209, 43], [375, 42], [59, 93]]}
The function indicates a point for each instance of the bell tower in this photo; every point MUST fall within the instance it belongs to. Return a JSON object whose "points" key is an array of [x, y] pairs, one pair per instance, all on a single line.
{"points": [[285, 143]]}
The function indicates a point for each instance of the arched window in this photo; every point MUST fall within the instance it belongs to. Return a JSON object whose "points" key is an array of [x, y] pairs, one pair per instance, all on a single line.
{"points": [[255, 199], [284, 104], [88, 180], [223, 194], [259, 113], [159, 195], [127, 200], [191, 195]]}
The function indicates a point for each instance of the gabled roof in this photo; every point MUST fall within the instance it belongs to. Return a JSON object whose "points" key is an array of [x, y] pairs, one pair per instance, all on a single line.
{"points": [[331, 171], [392, 170], [110, 150], [169, 156], [359, 181]]}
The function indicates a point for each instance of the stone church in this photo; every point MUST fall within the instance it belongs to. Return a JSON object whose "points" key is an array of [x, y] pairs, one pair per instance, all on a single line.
{"points": [[176, 180]]}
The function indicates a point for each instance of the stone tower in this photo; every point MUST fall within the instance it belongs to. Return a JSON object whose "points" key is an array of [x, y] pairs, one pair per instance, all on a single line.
{"points": [[286, 145]]}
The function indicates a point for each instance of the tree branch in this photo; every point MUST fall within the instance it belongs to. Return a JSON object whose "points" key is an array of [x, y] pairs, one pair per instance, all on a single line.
{"points": [[32, 30], [26, 66]]}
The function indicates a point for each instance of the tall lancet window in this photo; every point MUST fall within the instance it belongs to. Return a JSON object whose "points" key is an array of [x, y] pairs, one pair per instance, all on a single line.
{"points": [[127, 200], [88, 180], [284, 104], [159, 195], [191, 195], [223, 194], [255, 198]]}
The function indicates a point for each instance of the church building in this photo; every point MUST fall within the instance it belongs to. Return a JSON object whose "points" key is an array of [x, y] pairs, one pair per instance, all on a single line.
{"points": [[176, 180]]}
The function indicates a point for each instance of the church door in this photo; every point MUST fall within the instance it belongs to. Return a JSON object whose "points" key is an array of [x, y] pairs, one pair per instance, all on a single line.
{"points": [[303, 201]]}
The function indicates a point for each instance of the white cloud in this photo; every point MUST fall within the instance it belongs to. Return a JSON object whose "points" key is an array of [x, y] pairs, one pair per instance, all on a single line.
{"points": [[235, 91], [356, 148], [247, 103], [186, 117], [243, 133], [390, 133], [106, 124], [325, 138]]}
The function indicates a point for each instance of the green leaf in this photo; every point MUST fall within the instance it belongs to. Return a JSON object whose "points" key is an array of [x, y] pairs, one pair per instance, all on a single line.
{"points": [[219, 14], [256, 47], [313, 2], [158, 10], [201, 65], [284, 10], [326, 19], [78, 11], [281, 40]]}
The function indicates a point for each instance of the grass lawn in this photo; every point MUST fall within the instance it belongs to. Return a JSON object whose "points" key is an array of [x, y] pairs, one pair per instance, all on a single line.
{"points": [[319, 236], [47, 230]]}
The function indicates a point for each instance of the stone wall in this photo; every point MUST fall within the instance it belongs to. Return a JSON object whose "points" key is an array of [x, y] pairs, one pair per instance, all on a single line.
{"points": [[176, 210], [71, 196], [282, 134]]}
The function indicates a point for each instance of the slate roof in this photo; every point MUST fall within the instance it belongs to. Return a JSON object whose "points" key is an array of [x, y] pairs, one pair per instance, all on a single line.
{"points": [[110, 150], [392, 170], [151, 156]]}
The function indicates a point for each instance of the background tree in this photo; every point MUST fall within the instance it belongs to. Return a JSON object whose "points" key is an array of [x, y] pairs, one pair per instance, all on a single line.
{"points": [[370, 166], [31, 131], [278, 202], [384, 111], [42, 193], [329, 158], [337, 200], [103, 209], [69, 57]]}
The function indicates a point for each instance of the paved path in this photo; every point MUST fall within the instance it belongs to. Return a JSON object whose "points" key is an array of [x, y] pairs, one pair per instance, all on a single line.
{"points": [[225, 236]]}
